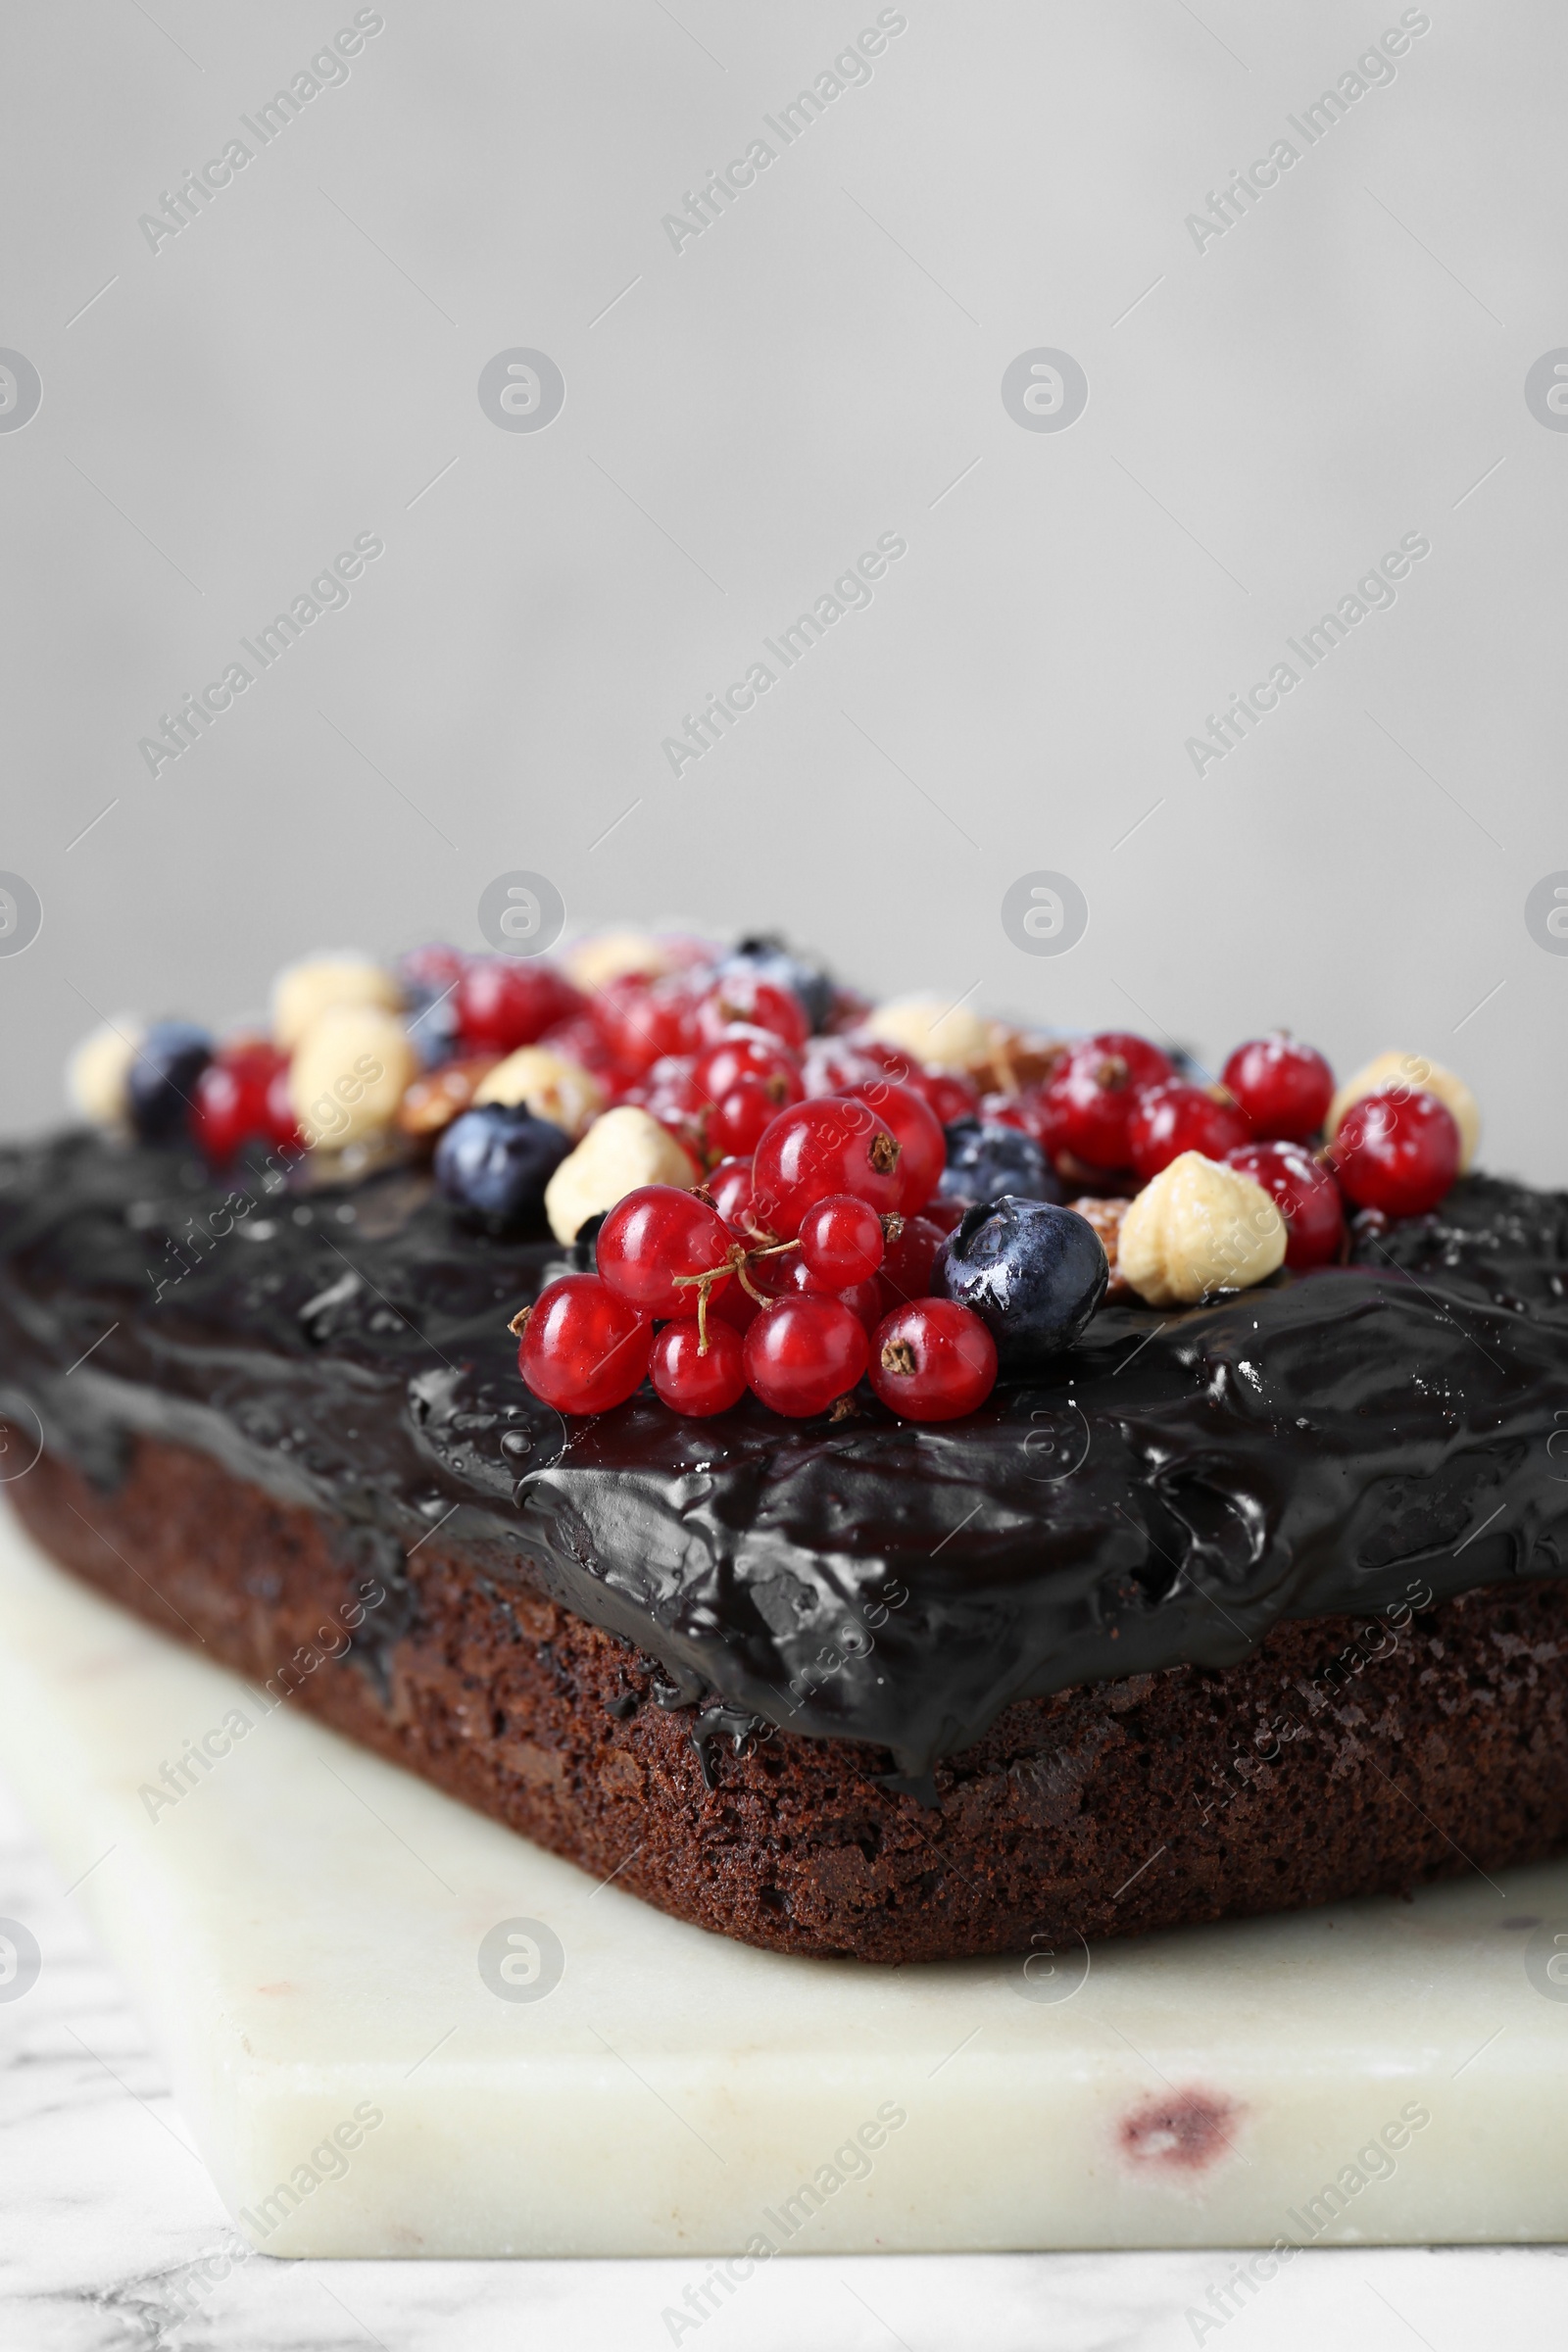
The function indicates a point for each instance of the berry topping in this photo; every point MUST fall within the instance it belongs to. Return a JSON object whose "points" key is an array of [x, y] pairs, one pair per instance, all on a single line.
{"points": [[664, 1250], [1285, 1089], [816, 1148], [933, 1360], [161, 1081], [504, 1001], [1032, 1272], [906, 1271], [695, 1379], [922, 1146], [743, 994], [583, 1349], [1176, 1118], [1397, 1152], [493, 1164], [1306, 1196], [841, 1241], [238, 1099], [983, 1162], [804, 1351], [1090, 1100]]}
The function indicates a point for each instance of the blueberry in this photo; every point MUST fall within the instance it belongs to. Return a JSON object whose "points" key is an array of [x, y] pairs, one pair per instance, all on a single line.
{"points": [[493, 1164], [428, 977], [986, 1161], [1032, 1272], [770, 959], [163, 1079]]}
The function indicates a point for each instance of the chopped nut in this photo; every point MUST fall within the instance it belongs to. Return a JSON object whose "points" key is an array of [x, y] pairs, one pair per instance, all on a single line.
{"points": [[434, 1098], [1412, 1073], [347, 1075], [303, 991], [621, 1150], [1016, 1058], [1199, 1227], [1105, 1216], [551, 1086], [98, 1073]]}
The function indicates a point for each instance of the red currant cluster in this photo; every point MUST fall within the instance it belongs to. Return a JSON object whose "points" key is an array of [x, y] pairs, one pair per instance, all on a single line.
{"points": [[795, 1274], [1114, 1113]]}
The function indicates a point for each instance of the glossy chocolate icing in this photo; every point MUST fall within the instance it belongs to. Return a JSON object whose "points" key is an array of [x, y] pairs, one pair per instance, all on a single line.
{"points": [[1161, 1494]]}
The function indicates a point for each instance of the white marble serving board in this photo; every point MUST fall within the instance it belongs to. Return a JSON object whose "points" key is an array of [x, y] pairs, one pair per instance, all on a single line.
{"points": [[303, 1931]]}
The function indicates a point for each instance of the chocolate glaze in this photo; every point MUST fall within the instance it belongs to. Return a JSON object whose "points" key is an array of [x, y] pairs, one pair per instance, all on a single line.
{"points": [[1161, 1494]]}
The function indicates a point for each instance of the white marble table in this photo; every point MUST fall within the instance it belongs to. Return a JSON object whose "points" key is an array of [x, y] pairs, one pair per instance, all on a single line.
{"points": [[111, 2230]]}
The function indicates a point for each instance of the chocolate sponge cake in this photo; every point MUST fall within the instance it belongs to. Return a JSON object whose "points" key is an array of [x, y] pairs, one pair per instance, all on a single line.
{"points": [[1236, 1604]]}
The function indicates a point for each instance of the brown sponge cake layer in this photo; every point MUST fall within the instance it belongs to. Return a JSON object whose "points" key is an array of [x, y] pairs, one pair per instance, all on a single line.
{"points": [[1343, 1757]]}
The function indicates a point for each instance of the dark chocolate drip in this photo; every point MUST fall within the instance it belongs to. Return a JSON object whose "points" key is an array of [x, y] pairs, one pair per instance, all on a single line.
{"points": [[1162, 1493]]}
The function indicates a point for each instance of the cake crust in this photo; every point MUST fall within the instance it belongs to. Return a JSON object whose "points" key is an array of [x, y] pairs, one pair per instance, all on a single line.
{"points": [[1345, 1756]]}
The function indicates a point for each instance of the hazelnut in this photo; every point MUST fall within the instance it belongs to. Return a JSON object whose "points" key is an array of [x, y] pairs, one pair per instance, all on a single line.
{"points": [[625, 1147], [303, 989], [591, 963], [1199, 1227], [1412, 1073], [98, 1073], [347, 1075], [939, 1036], [552, 1086]]}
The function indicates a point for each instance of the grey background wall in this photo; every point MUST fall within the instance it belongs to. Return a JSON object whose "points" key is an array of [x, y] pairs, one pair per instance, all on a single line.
{"points": [[1269, 411]]}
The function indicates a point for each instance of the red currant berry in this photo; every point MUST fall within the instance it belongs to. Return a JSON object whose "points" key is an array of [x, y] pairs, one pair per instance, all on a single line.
{"points": [[234, 1100], [864, 1302], [579, 1039], [1306, 1196], [1089, 1103], [933, 1360], [743, 1052], [1397, 1152], [282, 1123], [918, 1130], [1177, 1117], [1285, 1089], [730, 1304], [507, 1001], [802, 1351], [669, 1089], [583, 1349], [831, 1065], [692, 1382], [841, 1241], [729, 1188], [948, 1096], [654, 1237], [907, 1267], [833, 1145], [642, 1020], [739, 1119], [743, 996]]}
